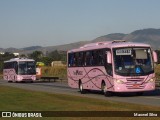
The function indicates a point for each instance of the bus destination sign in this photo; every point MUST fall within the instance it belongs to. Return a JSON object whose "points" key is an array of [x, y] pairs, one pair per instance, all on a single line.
{"points": [[123, 52]]}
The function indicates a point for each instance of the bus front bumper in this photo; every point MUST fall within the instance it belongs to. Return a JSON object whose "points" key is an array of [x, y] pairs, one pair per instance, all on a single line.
{"points": [[134, 87]]}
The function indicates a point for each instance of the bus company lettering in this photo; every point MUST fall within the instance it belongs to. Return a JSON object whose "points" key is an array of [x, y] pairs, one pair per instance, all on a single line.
{"points": [[77, 72]]}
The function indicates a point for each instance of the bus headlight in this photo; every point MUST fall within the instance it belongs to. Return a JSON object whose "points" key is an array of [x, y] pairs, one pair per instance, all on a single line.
{"points": [[19, 77], [152, 80], [33, 78], [119, 81]]}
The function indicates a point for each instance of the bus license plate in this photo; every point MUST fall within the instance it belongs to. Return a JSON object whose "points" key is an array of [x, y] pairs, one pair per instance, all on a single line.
{"points": [[136, 85]]}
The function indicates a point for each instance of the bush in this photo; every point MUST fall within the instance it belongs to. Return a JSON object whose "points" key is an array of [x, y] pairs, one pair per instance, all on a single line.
{"points": [[157, 71], [57, 71]]}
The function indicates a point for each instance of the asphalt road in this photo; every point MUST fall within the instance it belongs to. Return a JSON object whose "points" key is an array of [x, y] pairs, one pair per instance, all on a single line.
{"points": [[148, 98]]}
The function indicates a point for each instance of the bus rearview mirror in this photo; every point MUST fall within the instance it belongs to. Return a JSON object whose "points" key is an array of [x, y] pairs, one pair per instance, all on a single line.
{"points": [[109, 57], [155, 58]]}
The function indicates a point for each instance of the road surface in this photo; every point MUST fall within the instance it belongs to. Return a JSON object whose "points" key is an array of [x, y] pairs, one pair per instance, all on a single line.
{"points": [[149, 98]]}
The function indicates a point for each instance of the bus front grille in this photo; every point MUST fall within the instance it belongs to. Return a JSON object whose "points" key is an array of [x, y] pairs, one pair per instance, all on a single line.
{"points": [[135, 83]]}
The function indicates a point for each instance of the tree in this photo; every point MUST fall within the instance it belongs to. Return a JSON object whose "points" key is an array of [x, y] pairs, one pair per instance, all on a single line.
{"points": [[55, 55], [36, 55], [23, 56], [46, 60], [4, 57], [58, 55]]}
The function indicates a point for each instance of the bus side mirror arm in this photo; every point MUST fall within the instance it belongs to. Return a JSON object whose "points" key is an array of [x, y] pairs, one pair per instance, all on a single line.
{"points": [[109, 57], [155, 58]]}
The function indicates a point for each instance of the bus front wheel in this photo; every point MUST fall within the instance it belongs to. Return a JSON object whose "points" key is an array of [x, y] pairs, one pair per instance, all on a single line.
{"points": [[81, 88], [103, 85], [104, 91]]}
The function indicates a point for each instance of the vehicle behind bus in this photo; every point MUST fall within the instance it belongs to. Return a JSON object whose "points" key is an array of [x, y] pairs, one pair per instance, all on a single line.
{"points": [[19, 69], [115, 66]]}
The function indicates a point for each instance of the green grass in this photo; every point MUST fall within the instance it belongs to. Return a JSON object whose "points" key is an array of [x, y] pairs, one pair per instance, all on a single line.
{"points": [[19, 99], [15, 99], [1, 75], [157, 71]]}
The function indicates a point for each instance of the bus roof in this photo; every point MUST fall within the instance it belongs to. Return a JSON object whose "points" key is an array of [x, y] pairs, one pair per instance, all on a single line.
{"points": [[109, 44], [19, 59]]}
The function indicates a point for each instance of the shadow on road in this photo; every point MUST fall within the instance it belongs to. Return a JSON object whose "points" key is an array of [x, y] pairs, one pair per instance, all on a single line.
{"points": [[128, 94]]}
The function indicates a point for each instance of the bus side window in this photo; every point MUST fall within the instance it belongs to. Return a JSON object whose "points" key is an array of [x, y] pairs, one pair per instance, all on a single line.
{"points": [[76, 59], [80, 59], [16, 67], [87, 58], [84, 61], [101, 57], [95, 58], [5, 65], [92, 58], [71, 60], [10, 65]]}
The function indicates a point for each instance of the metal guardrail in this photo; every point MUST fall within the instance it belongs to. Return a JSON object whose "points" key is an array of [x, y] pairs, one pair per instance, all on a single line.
{"points": [[50, 78]]}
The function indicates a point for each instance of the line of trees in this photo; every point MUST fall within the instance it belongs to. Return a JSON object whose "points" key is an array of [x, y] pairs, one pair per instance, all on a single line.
{"points": [[38, 56], [4, 57]]}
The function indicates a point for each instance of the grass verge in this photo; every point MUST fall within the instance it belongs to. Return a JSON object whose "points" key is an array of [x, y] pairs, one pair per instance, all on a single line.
{"points": [[15, 99], [19, 99]]}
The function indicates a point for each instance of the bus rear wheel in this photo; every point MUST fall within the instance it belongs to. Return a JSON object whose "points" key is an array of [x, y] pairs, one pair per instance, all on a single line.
{"points": [[81, 88]]}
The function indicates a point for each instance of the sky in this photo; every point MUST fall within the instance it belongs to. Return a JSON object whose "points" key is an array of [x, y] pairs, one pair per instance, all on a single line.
{"points": [[25, 23]]}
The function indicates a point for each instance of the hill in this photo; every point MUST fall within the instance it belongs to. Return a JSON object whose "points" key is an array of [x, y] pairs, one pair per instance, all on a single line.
{"points": [[150, 36], [31, 48], [110, 37]]}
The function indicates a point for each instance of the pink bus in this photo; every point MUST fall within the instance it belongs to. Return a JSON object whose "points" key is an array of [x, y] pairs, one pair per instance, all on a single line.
{"points": [[19, 69], [115, 66]]}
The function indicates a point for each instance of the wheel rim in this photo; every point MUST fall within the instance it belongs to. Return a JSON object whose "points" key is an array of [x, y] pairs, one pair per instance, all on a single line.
{"points": [[81, 87], [103, 87]]}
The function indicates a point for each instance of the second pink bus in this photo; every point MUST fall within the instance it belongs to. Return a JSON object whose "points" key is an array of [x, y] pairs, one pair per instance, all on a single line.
{"points": [[19, 69]]}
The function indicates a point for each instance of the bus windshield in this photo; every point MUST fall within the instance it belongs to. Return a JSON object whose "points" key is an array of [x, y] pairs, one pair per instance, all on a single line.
{"points": [[133, 61], [26, 68]]}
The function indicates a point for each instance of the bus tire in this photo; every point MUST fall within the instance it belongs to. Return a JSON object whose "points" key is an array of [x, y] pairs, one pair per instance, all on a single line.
{"points": [[104, 91], [103, 87], [81, 88]]}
